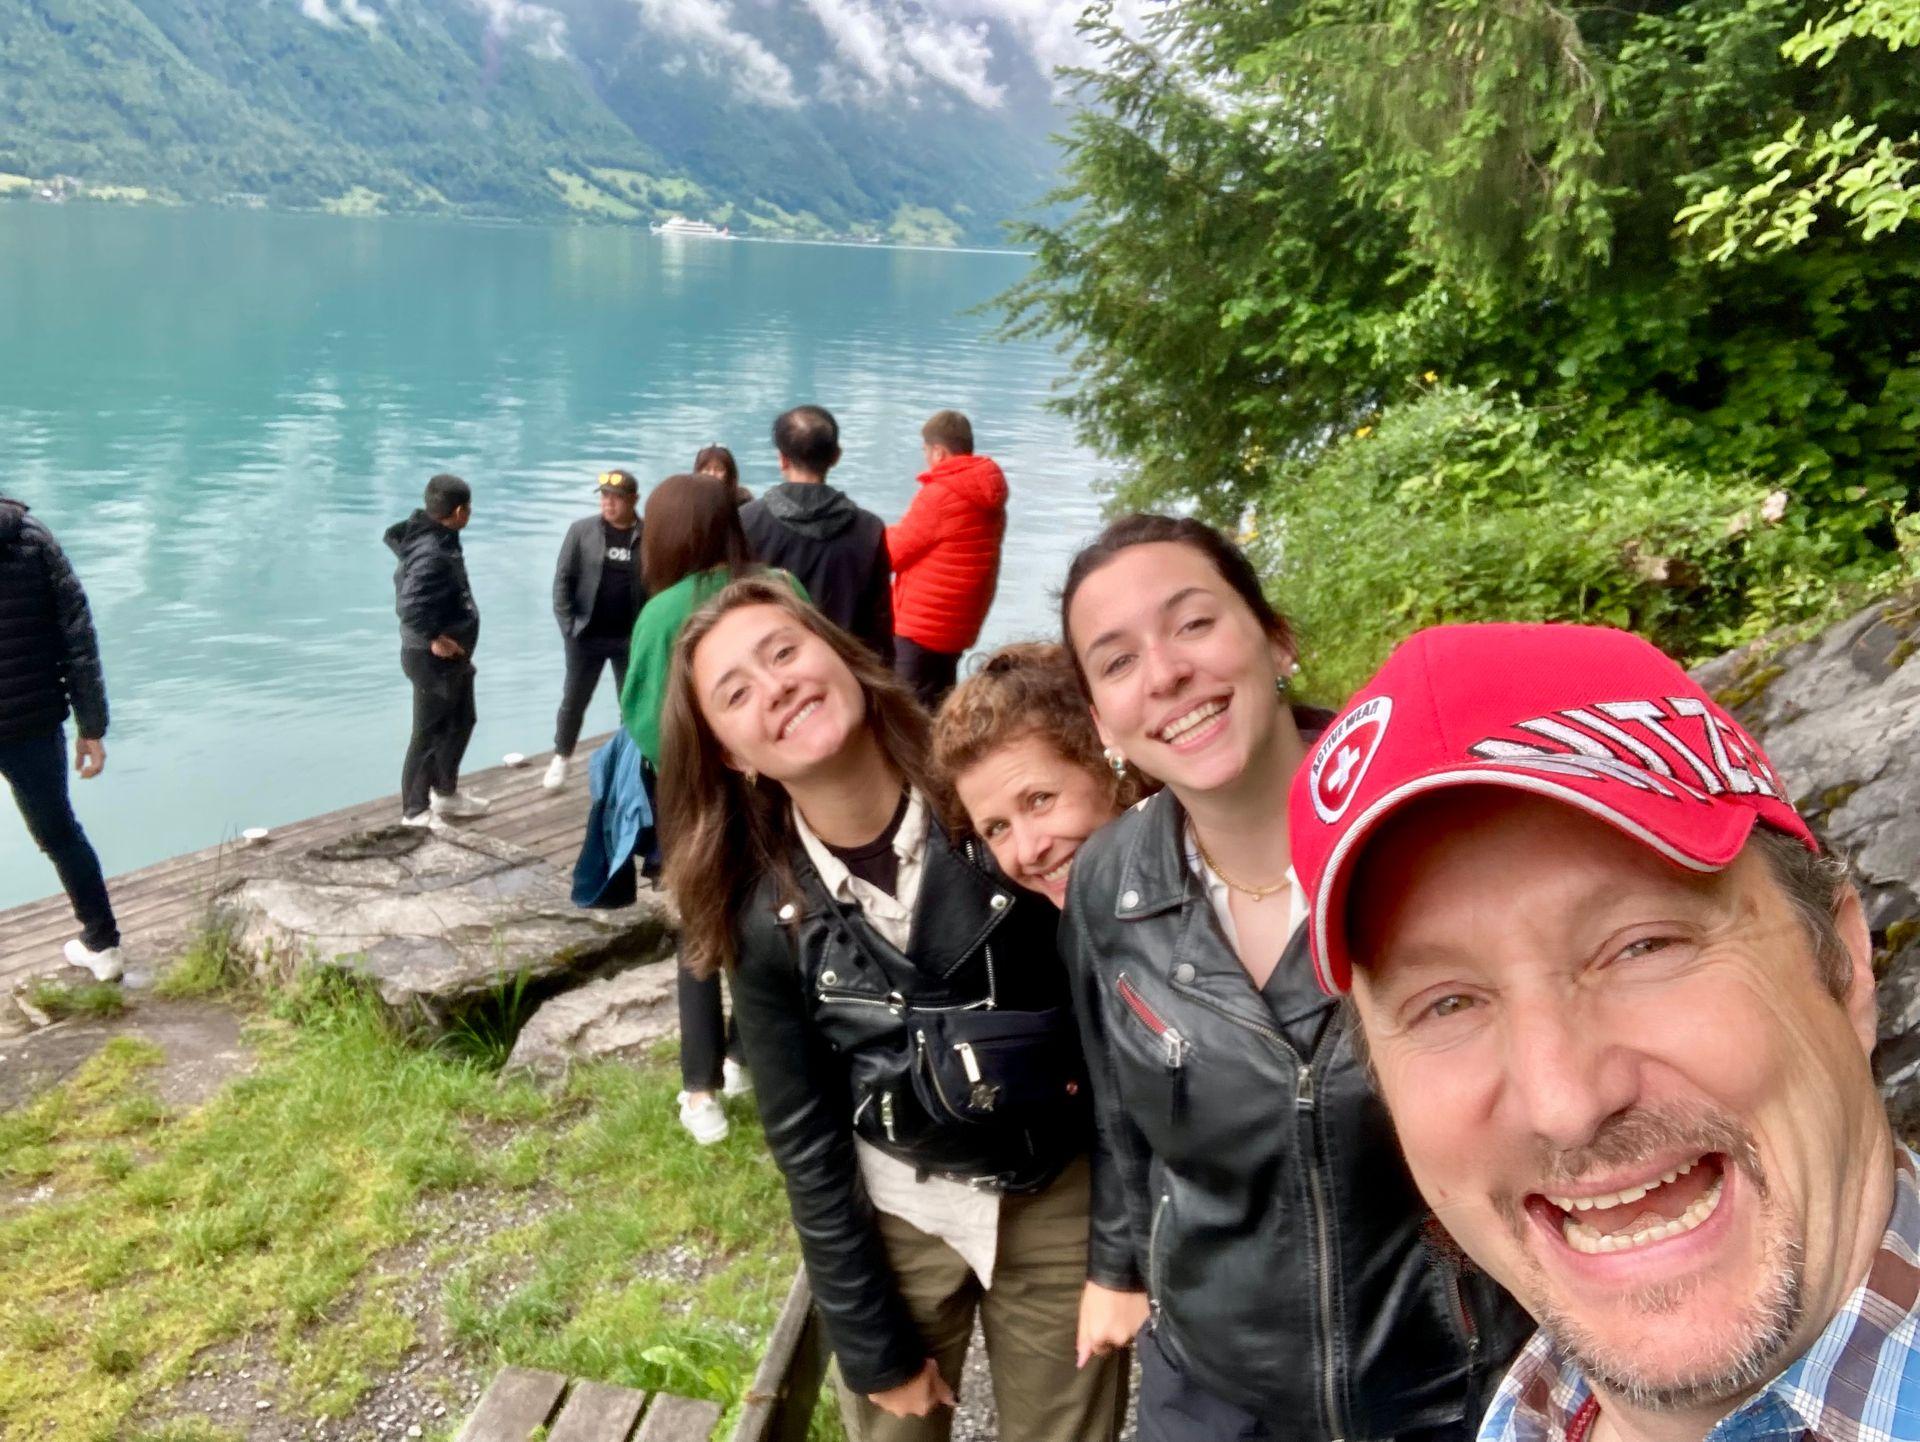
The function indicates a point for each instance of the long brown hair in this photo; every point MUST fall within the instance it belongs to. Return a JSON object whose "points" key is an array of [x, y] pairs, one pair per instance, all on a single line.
{"points": [[691, 524], [723, 832], [1024, 690]]}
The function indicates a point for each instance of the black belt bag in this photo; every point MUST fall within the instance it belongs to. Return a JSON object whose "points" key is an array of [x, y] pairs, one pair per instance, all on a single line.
{"points": [[991, 1066]]}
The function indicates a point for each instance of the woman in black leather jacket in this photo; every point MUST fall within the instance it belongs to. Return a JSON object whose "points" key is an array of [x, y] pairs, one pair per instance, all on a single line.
{"points": [[879, 972], [1247, 1184]]}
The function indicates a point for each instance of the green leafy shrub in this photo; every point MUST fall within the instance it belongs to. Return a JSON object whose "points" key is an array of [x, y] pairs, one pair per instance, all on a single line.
{"points": [[1459, 506]]}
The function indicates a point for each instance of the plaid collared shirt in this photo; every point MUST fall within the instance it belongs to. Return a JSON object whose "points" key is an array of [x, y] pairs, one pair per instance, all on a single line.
{"points": [[1858, 1382]]}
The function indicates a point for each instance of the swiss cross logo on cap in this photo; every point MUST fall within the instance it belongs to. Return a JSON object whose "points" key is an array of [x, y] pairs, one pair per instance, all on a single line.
{"points": [[1346, 751]]}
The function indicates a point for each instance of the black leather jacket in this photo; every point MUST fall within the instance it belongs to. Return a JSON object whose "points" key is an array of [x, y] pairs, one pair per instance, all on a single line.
{"points": [[825, 1011], [1246, 1174]]}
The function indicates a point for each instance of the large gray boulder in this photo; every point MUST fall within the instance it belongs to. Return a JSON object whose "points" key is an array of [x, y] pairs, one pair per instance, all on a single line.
{"points": [[1840, 716], [436, 922]]}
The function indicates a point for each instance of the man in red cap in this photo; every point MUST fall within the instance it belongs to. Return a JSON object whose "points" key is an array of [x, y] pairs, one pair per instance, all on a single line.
{"points": [[1621, 1009]]}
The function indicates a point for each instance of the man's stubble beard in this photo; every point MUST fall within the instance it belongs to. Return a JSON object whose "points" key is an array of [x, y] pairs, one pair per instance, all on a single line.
{"points": [[1767, 1324]]}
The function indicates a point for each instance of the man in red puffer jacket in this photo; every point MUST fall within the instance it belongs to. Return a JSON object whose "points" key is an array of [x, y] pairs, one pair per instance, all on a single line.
{"points": [[946, 557]]}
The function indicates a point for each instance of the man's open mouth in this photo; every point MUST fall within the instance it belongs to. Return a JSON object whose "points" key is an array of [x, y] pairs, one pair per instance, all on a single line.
{"points": [[1664, 1206]]}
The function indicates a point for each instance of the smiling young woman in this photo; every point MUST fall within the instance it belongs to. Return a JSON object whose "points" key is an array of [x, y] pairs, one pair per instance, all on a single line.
{"points": [[1247, 1179], [906, 1017]]}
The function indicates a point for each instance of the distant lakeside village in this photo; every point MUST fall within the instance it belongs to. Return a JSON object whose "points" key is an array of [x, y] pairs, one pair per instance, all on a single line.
{"points": [[596, 200]]}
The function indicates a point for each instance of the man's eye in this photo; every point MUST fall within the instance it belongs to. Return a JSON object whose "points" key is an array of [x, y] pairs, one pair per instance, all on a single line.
{"points": [[1646, 946], [1452, 1004]]}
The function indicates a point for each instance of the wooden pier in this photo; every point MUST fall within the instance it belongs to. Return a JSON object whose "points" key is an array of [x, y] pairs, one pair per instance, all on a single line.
{"points": [[158, 905]]}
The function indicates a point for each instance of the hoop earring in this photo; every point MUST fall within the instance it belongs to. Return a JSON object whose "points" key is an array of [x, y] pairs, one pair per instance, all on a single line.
{"points": [[1117, 762]]}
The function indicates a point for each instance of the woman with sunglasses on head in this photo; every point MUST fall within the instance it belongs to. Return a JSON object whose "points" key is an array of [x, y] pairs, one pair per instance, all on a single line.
{"points": [[904, 1011], [1249, 1199]]}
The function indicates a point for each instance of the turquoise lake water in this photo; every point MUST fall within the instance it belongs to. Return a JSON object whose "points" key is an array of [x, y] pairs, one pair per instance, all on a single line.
{"points": [[218, 413]]}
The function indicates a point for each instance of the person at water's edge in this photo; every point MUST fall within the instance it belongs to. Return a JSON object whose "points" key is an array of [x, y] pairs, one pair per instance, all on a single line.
{"points": [[945, 552], [439, 628], [810, 529], [50, 668], [597, 596]]}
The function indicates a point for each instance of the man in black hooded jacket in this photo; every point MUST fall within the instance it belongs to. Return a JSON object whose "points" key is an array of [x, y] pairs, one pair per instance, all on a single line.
{"points": [[50, 669], [805, 526], [439, 627]]}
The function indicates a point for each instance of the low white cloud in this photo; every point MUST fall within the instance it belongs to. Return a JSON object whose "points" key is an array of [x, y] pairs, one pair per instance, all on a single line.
{"points": [[707, 25], [886, 49], [541, 30], [323, 13]]}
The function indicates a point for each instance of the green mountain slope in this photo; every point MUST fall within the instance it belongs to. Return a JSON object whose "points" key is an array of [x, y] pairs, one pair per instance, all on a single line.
{"points": [[509, 108]]}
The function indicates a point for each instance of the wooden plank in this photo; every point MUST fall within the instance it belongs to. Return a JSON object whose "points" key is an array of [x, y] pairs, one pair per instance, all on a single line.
{"points": [[779, 1403], [157, 904], [518, 1400], [597, 1412], [679, 1419]]}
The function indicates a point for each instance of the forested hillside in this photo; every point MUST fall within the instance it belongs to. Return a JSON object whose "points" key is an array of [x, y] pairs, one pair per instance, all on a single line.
{"points": [[771, 118]]}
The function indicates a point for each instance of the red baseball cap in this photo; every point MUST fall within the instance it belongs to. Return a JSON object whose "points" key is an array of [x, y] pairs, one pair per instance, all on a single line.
{"points": [[1585, 715]]}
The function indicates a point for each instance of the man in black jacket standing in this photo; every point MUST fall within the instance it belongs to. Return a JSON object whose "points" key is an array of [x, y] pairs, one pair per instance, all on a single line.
{"points": [[50, 668], [439, 627], [597, 596], [836, 549]]}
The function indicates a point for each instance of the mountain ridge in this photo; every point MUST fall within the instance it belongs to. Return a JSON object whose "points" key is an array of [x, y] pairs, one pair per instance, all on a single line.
{"points": [[612, 109]]}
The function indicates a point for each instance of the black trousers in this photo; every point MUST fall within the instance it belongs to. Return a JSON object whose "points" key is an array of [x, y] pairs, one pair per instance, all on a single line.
{"points": [[707, 1036], [443, 718], [585, 656], [931, 674], [1174, 1409], [36, 768]]}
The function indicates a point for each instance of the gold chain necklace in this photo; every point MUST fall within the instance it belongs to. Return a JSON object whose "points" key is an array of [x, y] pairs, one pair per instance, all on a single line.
{"points": [[1257, 893]]}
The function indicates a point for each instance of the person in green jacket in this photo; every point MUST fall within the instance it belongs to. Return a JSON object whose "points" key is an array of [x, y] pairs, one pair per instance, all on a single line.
{"points": [[691, 546]]}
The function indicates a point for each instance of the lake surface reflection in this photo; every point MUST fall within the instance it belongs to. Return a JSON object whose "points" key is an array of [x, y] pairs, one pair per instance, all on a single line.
{"points": [[218, 413]]}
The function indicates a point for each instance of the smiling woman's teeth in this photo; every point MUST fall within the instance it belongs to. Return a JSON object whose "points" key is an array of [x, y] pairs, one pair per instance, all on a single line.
{"points": [[1059, 873], [797, 717], [1583, 1238], [1198, 716]]}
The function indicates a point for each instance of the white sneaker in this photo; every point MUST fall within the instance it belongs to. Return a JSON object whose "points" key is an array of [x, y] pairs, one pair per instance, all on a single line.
{"points": [[459, 806], [105, 965], [420, 820], [702, 1117], [735, 1080], [556, 776]]}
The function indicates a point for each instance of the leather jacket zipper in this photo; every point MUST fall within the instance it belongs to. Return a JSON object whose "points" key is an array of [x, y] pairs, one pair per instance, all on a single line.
{"points": [[1173, 1045], [1153, 1257], [1303, 1103]]}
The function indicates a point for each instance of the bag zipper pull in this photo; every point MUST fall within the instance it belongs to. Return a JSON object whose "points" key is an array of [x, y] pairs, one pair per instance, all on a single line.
{"points": [[886, 1115], [967, 1060]]}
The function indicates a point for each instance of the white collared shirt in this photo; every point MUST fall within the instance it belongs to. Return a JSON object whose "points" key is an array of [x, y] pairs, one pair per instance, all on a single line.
{"points": [[965, 1219]]}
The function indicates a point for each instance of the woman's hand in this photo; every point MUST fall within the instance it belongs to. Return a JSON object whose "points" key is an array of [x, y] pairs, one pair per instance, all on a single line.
{"points": [[1108, 1320], [918, 1397]]}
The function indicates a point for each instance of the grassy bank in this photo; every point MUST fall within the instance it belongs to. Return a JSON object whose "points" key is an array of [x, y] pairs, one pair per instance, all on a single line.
{"points": [[355, 1208]]}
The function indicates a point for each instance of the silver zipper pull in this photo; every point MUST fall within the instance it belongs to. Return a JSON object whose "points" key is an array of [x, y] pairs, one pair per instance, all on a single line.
{"points": [[1303, 1094], [968, 1060], [1176, 1046], [886, 1115]]}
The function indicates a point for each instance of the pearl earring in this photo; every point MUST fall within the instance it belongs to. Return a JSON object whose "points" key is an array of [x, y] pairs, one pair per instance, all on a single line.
{"points": [[1117, 762]]}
